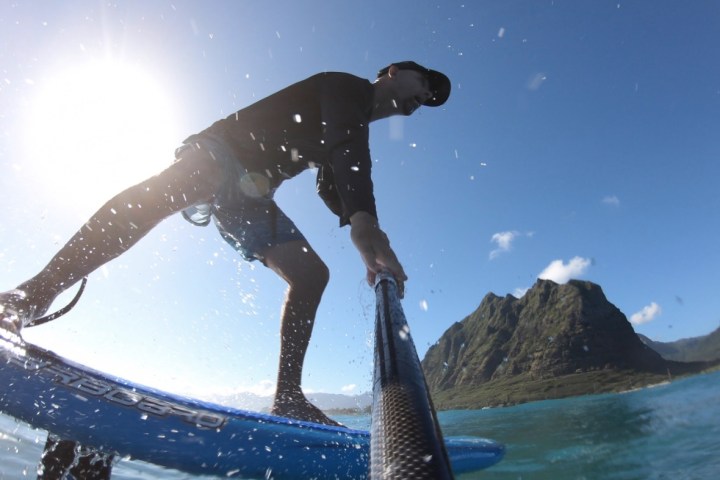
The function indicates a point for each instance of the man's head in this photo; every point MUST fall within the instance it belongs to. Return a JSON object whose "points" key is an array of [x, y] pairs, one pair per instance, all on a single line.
{"points": [[437, 83]]}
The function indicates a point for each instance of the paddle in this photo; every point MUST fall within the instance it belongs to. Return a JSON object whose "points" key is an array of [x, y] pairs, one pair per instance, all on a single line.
{"points": [[405, 437]]}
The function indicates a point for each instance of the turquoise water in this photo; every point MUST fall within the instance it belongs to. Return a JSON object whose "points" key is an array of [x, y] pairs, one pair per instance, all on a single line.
{"points": [[666, 432]]}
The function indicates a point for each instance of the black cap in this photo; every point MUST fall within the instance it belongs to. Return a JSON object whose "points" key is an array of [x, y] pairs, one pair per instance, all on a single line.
{"points": [[439, 83]]}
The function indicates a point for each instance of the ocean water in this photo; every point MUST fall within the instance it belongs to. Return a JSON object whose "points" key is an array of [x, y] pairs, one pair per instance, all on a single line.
{"points": [[669, 431]]}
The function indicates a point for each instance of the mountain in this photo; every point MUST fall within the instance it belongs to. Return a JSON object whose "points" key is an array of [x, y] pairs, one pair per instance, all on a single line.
{"points": [[328, 402], [337, 402], [705, 348], [556, 341], [242, 400]]}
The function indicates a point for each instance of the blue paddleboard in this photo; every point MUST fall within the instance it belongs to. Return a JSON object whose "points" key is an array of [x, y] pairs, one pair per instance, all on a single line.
{"points": [[75, 402]]}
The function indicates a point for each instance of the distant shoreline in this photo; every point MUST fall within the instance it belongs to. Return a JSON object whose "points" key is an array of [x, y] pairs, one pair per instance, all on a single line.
{"points": [[521, 389]]}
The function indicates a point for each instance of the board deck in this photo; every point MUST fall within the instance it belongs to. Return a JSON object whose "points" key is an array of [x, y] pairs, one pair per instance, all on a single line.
{"points": [[76, 402]]}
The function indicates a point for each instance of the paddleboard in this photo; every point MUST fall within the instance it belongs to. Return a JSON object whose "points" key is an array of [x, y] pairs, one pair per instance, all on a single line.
{"points": [[75, 402]]}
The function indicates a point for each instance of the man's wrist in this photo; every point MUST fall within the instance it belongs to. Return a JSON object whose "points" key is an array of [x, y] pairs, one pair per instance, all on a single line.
{"points": [[362, 217]]}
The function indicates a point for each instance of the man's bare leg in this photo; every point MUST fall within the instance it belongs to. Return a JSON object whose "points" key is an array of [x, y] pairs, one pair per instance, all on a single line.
{"points": [[112, 230], [307, 276]]}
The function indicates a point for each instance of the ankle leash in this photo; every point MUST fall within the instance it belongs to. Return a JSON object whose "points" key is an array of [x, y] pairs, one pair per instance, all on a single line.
{"points": [[62, 311]]}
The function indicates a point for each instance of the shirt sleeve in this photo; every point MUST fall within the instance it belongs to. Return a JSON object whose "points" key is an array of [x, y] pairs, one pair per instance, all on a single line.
{"points": [[345, 182], [326, 189]]}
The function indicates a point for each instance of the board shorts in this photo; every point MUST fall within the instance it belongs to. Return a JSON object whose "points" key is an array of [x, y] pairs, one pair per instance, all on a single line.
{"points": [[243, 209]]}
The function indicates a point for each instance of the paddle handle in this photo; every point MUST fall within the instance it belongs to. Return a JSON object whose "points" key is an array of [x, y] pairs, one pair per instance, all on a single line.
{"points": [[405, 437]]}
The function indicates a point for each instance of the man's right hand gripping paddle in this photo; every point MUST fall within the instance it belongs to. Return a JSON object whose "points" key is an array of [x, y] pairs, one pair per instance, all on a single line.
{"points": [[374, 247]]}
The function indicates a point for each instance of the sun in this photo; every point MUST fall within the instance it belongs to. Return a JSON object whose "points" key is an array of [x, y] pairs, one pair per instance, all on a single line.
{"points": [[95, 129]]}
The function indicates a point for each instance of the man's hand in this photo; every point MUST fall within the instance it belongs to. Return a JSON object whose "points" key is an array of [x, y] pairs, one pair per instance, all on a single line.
{"points": [[374, 248]]}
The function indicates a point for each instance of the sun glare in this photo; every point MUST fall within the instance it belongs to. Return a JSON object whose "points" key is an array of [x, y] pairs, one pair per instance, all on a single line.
{"points": [[93, 130]]}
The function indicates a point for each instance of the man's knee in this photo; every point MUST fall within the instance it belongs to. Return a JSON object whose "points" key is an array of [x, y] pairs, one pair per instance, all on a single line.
{"points": [[312, 279], [300, 266], [320, 274]]}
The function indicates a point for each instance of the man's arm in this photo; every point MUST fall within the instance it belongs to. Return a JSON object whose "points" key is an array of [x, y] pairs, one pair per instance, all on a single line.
{"points": [[374, 248]]}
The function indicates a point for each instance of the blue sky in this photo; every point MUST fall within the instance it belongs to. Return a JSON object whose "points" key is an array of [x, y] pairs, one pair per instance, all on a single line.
{"points": [[581, 140]]}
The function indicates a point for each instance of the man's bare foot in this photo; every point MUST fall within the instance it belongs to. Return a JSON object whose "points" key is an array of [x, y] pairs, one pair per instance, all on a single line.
{"points": [[16, 311], [10, 327], [299, 408]]}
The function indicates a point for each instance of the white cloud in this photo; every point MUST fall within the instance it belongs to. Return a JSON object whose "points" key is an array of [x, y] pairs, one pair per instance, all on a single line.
{"points": [[560, 272], [611, 200], [504, 242], [348, 388], [520, 292], [647, 314]]}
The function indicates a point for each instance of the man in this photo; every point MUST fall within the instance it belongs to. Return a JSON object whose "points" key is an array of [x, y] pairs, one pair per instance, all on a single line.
{"points": [[230, 171]]}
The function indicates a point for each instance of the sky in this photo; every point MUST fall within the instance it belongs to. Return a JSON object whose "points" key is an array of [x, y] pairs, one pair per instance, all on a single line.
{"points": [[581, 140]]}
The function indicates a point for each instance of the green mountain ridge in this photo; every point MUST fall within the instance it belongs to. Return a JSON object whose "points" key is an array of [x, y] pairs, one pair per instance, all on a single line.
{"points": [[703, 348], [555, 341]]}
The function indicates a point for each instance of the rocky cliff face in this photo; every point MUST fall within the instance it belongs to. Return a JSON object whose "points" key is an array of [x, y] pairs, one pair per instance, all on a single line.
{"points": [[553, 330]]}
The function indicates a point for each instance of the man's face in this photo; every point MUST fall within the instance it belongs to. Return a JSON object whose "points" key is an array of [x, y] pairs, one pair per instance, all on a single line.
{"points": [[411, 91]]}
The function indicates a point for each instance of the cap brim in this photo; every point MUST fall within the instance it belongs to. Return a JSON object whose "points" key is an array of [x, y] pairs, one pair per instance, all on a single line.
{"points": [[440, 86]]}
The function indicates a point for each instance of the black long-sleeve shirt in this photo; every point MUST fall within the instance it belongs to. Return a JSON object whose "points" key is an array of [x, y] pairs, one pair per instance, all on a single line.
{"points": [[322, 121]]}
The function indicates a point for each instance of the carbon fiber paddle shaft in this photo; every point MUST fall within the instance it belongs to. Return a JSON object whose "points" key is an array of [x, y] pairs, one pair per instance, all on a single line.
{"points": [[405, 437]]}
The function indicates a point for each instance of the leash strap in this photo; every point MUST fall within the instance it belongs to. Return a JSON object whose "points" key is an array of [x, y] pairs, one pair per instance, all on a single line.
{"points": [[62, 311]]}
